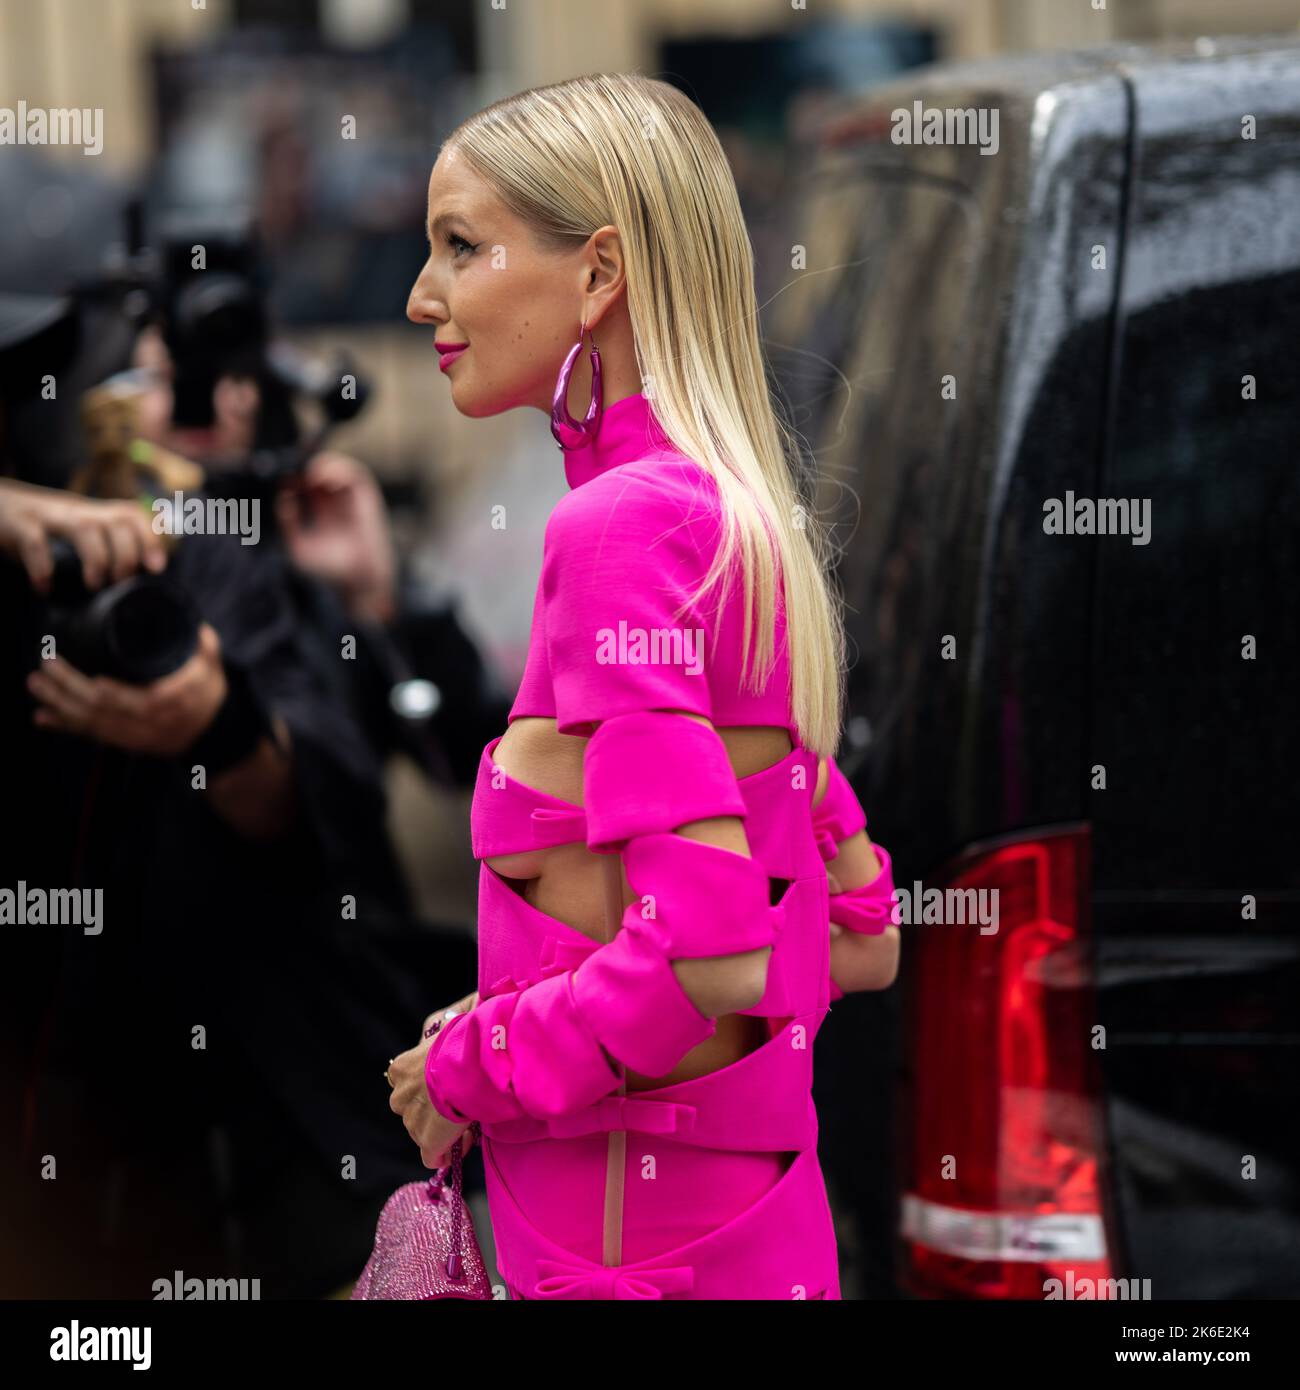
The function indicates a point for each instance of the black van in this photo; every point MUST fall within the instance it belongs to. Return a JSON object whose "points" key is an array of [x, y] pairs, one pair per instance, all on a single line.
{"points": [[1043, 346]]}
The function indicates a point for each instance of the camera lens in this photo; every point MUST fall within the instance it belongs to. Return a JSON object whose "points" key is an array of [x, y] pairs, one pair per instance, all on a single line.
{"points": [[148, 629]]}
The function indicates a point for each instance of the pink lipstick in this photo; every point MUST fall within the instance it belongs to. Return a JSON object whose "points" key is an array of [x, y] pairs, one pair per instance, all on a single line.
{"points": [[448, 353]]}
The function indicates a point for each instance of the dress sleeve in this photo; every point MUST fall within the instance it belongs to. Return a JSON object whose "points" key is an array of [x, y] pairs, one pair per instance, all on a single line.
{"points": [[620, 558], [837, 817]]}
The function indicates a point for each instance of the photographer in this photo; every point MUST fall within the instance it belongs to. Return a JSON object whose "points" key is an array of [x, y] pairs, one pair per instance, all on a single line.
{"points": [[211, 1062], [334, 526], [254, 794], [418, 684]]}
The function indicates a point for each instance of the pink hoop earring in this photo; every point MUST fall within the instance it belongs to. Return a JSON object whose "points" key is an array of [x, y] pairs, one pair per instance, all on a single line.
{"points": [[570, 433]]}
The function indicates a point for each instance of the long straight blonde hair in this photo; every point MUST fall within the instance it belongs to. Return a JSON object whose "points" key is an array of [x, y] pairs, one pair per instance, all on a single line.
{"points": [[636, 153]]}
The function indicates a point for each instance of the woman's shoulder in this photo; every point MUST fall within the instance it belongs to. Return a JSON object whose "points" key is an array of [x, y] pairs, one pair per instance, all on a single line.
{"points": [[665, 506]]}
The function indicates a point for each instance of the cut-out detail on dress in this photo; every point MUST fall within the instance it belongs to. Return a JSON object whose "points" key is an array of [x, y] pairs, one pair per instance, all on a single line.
{"points": [[516, 885], [564, 946], [778, 1023], [790, 729], [688, 1109], [554, 924], [509, 814], [541, 820]]}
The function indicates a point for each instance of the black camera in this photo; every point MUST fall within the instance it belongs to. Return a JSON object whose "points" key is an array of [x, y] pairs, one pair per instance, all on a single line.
{"points": [[136, 631], [212, 299]]}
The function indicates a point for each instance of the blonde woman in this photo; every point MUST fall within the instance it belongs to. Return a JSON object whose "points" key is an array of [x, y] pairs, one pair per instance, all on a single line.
{"points": [[643, 1088]]}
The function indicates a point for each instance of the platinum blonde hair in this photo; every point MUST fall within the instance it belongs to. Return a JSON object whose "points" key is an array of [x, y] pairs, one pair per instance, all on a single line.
{"points": [[634, 152]]}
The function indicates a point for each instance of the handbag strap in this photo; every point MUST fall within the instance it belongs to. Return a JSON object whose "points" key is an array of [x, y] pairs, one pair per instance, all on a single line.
{"points": [[455, 1260]]}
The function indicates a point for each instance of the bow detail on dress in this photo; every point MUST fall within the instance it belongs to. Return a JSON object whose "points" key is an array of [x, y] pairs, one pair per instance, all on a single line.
{"points": [[778, 921], [553, 827], [632, 1113], [826, 845], [624, 1112], [560, 1280], [555, 957]]}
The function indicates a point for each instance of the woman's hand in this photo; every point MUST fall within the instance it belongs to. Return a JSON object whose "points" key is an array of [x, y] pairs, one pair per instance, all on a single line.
{"points": [[461, 1006], [409, 1098]]}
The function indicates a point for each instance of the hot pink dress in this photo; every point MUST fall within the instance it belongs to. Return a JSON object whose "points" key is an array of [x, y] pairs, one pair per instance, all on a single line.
{"points": [[723, 1196]]}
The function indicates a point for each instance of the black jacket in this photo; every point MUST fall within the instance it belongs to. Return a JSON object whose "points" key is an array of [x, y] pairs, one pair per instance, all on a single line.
{"points": [[275, 1137]]}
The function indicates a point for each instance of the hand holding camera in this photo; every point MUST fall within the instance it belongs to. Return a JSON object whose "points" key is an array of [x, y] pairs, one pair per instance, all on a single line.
{"points": [[164, 717], [124, 674], [113, 539], [335, 526]]}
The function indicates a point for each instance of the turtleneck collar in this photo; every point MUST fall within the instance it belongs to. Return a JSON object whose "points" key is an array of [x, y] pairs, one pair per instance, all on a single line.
{"points": [[628, 430]]}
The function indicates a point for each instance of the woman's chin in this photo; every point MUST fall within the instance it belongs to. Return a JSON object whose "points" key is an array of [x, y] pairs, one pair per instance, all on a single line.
{"points": [[476, 405], [468, 402]]}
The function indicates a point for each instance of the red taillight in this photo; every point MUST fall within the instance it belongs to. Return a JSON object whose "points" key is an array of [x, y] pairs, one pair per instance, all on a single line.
{"points": [[856, 128], [1001, 1186]]}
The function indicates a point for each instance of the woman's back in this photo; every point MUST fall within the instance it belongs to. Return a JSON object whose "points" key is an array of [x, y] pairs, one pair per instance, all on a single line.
{"points": [[717, 1141]]}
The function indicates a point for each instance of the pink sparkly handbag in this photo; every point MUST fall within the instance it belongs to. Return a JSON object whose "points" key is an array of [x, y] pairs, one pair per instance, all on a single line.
{"points": [[425, 1245]]}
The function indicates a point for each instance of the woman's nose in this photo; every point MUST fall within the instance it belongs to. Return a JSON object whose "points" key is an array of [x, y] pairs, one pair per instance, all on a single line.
{"points": [[422, 306]]}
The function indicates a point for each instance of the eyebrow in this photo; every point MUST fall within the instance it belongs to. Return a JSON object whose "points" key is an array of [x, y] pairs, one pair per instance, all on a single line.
{"points": [[432, 230]]}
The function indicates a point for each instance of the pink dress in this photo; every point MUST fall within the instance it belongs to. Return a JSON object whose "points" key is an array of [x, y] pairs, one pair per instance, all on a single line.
{"points": [[723, 1196]]}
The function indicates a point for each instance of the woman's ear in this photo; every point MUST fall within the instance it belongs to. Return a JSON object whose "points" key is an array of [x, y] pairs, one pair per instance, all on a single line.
{"points": [[604, 273]]}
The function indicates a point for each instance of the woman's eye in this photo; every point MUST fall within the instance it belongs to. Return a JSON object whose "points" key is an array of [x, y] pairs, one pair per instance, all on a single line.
{"points": [[458, 241]]}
